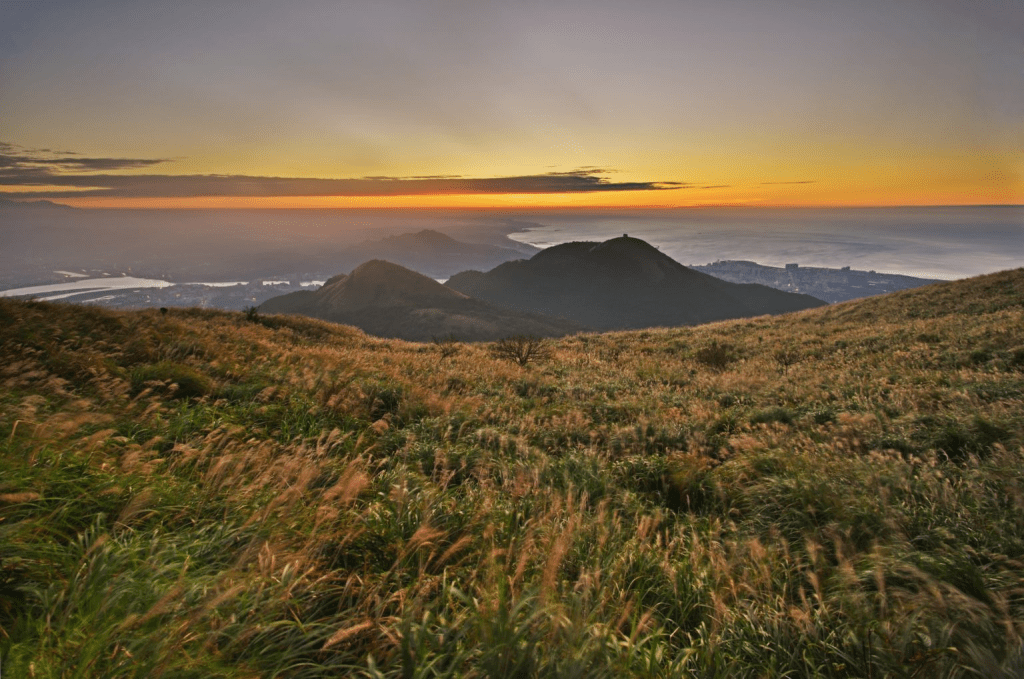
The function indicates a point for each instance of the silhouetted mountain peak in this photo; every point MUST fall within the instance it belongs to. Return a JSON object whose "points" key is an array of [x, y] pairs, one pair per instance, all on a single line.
{"points": [[382, 284], [626, 244], [620, 283], [33, 204], [630, 259], [389, 300], [431, 236]]}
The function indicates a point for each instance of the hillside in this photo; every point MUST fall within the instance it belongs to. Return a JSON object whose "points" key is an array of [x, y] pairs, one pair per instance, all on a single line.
{"points": [[387, 300], [622, 283], [833, 493], [426, 251]]}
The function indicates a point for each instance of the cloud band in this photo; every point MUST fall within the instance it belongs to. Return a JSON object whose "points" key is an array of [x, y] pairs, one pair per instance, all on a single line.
{"points": [[49, 171]]}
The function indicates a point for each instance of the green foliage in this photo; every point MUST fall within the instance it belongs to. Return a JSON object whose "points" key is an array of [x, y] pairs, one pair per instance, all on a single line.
{"points": [[958, 440], [772, 415], [312, 502], [176, 379], [786, 357], [688, 483], [715, 355]]}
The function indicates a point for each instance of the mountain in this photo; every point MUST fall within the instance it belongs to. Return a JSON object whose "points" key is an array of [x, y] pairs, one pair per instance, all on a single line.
{"points": [[388, 300], [429, 252], [33, 204], [620, 284]]}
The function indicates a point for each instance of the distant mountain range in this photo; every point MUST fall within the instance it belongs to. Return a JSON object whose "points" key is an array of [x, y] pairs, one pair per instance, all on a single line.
{"points": [[429, 252], [619, 284], [388, 300], [32, 204]]}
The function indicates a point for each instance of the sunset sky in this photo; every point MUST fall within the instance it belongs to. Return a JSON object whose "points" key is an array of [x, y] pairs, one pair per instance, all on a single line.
{"points": [[555, 103]]}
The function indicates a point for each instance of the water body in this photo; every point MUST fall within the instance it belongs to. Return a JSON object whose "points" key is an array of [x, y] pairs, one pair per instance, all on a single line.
{"points": [[929, 242], [79, 287], [68, 289]]}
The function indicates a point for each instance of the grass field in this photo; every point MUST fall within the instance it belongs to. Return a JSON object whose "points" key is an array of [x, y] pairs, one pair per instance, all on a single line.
{"points": [[834, 493]]}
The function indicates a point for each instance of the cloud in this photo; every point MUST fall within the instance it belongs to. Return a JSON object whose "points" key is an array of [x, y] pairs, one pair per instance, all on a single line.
{"points": [[19, 167], [424, 176], [15, 159], [715, 186]]}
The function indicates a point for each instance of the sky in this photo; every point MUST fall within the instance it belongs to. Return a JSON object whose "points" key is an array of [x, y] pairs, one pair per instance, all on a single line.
{"points": [[470, 103]]}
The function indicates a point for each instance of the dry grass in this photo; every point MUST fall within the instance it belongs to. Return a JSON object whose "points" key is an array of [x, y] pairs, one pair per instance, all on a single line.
{"points": [[199, 494]]}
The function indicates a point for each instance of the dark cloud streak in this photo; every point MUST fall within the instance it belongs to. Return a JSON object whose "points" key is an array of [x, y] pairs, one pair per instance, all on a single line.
{"points": [[188, 186], [16, 159], [28, 168]]}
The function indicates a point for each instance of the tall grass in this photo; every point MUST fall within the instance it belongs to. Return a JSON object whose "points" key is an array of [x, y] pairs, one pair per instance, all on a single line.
{"points": [[199, 495]]}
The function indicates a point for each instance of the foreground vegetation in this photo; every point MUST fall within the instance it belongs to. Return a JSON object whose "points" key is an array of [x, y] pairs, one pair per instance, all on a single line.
{"points": [[833, 493]]}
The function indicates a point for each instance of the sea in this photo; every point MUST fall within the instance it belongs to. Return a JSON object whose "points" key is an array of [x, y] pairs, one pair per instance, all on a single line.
{"points": [[928, 242]]}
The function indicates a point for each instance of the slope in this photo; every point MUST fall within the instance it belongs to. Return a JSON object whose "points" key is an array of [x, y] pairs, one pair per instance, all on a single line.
{"points": [[388, 300], [206, 494], [619, 284], [428, 252]]}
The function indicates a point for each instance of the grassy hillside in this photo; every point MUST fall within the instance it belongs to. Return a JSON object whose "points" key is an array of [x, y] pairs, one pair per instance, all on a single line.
{"points": [[833, 493]]}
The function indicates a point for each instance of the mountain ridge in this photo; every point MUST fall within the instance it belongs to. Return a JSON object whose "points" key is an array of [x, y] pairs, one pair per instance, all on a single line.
{"points": [[619, 284], [388, 300]]}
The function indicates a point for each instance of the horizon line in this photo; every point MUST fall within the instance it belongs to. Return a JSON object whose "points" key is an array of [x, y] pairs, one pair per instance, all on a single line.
{"points": [[508, 208]]}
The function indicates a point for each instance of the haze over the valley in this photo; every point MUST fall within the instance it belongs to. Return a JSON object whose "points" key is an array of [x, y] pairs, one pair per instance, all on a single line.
{"points": [[182, 144]]}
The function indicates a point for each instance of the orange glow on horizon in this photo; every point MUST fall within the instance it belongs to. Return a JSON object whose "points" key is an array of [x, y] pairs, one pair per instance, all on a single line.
{"points": [[618, 199]]}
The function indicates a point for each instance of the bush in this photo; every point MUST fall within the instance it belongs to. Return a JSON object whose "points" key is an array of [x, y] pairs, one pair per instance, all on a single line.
{"points": [[521, 349], [447, 345], [785, 358], [716, 356]]}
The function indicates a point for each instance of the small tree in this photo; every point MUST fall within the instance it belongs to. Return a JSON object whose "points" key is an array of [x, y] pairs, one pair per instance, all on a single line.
{"points": [[521, 349], [447, 345], [252, 314], [785, 358]]}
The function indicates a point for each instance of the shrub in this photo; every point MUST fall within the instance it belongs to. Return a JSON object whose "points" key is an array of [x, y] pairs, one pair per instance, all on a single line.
{"points": [[715, 356], [785, 358], [521, 349], [824, 416], [448, 346]]}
